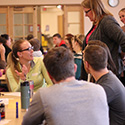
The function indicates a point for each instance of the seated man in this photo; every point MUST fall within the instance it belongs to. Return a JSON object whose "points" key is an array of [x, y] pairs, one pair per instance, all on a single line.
{"points": [[68, 101], [57, 40], [95, 62]]}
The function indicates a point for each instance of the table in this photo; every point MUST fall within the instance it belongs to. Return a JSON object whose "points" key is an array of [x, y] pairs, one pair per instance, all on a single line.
{"points": [[10, 109], [3, 79]]}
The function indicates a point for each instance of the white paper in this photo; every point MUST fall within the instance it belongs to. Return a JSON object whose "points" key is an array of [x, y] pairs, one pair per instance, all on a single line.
{"points": [[4, 121], [13, 93], [4, 100]]}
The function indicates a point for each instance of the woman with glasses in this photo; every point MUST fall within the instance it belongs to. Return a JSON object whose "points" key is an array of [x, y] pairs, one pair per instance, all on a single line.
{"points": [[21, 66], [106, 29]]}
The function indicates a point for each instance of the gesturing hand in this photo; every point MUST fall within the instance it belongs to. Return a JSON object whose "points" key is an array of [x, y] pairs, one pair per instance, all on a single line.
{"points": [[22, 74]]}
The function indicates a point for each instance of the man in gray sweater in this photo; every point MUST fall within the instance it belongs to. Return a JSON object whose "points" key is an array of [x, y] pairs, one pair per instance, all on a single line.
{"points": [[68, 101]]}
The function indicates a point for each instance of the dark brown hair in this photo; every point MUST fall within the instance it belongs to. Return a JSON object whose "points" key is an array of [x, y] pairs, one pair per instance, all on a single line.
{"points": [[96, 56], [35, 43], [59, 62], [111, 65]]}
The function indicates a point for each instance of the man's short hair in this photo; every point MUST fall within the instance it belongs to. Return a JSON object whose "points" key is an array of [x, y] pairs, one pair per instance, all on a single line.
{"points": [[96, 56], [59, 63], [35, 43], [57, 35]]}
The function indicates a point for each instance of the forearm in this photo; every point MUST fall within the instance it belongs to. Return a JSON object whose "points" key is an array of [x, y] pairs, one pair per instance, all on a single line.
{"points": [[3, 56], [13, 84], [2, 64]]}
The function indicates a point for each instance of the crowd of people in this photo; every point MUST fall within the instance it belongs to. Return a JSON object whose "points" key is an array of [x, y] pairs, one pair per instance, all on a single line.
{"points": [[80, 80]]}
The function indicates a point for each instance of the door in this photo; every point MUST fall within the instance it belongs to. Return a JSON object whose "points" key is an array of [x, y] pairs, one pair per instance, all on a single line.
{"points": [[73, 19]]}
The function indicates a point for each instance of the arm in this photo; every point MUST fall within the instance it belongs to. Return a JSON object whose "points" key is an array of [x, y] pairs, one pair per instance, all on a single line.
{"points": [[114, 32], [2, 64], [15, 87], [35, 114], [2, 52]]}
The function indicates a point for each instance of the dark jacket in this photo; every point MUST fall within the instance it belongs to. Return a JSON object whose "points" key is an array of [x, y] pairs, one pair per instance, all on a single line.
{"points": [[110, 32]]}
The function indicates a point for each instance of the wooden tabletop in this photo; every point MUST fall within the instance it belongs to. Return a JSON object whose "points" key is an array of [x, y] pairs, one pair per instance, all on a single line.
{"points": [[3, 77], [10, 108]]}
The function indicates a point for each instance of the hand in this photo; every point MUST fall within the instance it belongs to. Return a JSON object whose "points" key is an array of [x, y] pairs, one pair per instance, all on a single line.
{"points": [[2, 49], [22, 74], [2, 52]]}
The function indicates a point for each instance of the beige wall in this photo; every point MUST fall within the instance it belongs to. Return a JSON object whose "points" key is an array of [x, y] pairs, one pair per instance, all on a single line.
{"points": [[87, 23], [49, 19], [38, 2]]}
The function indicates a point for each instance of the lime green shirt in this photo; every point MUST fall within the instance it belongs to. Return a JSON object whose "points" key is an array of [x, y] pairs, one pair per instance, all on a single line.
{"points": [[37, 73]]}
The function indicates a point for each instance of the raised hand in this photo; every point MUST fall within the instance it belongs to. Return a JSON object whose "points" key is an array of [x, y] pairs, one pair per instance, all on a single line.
{"points": [[22, 74]]}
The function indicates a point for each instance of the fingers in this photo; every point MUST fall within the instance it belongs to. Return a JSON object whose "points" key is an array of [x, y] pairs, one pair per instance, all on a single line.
{"points": [[21, 75]]}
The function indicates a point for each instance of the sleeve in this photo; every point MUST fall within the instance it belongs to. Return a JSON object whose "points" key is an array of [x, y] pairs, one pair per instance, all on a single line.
{"points": [[109, 93], [45, 75], [114, 32], [14, 86], [2, 64], [35, 114]]}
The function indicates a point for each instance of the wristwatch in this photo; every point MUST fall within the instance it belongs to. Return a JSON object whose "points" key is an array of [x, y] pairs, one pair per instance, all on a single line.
{"points": [[113, 3]]}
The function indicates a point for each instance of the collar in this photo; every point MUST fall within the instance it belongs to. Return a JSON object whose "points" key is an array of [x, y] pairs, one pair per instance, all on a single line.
{"points": [[32, 64]]}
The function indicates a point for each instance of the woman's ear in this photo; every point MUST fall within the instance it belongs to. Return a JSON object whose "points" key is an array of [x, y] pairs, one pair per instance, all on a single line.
{"points": [[19, 54]]}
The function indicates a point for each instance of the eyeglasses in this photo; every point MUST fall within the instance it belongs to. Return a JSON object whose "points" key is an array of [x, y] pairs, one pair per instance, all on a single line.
{"points": [[87, 11], [28, 49]]}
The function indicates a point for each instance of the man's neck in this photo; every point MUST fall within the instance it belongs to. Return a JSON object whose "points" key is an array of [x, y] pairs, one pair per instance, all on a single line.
{"points": [[99, 74], [78, 49], [66, 80]]}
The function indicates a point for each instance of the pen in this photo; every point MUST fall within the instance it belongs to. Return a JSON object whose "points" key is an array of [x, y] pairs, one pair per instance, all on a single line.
{"points": [[16, 109]]}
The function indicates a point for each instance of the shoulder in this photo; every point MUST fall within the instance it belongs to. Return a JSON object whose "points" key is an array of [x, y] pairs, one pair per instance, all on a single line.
{"points": [[89, 85], [38, 62], [108, 19], [8, 71], [110, 80], [37, 59], [78, 55]]}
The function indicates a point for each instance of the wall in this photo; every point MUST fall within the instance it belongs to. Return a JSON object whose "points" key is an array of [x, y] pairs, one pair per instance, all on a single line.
{"points": [[37, 2], [87, 24], [49, 20]]}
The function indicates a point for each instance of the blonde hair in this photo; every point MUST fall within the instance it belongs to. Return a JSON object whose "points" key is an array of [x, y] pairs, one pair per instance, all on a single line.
{"points": [[13, 60], [97, 9]]}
